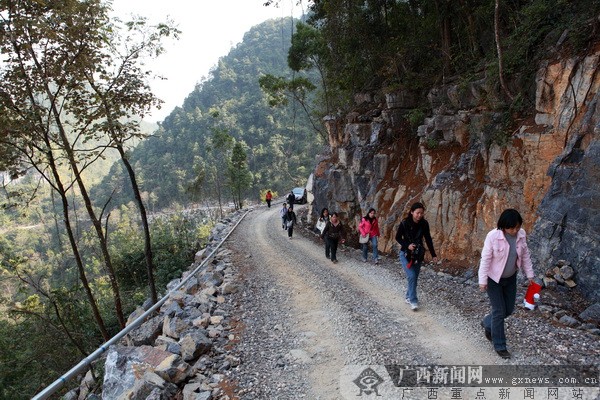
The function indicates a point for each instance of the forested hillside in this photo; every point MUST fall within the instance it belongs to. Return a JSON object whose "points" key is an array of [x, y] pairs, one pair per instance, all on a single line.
{"points": [[184, 160]]}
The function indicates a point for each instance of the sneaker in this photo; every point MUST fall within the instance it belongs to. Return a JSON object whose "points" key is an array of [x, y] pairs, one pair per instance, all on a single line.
{"points": [[503, 353], [334, 261], [414, 306], [289, 237], [364, 260], [376, 261], [407, 301]]}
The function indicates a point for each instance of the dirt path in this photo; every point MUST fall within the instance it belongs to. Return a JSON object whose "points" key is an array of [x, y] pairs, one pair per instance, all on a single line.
{"points": [[337, 317]]}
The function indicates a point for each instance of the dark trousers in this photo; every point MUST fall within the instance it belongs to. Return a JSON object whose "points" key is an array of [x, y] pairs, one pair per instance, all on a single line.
{"points": [[269, 203], [327, 248], [333, 245], [502, 299], [290, 231]]}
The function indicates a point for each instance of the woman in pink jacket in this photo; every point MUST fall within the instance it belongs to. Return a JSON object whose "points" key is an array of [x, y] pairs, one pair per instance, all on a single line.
{"points": [[504, 253], [369, 226]]}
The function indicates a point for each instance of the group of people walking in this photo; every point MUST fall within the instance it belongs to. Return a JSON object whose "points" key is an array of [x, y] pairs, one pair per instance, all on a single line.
{"points": [[504, 252]]}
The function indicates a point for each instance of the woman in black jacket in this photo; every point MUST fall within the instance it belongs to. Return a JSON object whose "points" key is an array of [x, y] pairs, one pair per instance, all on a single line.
{"points": [[334, 233], [290, 220], [410, 235]]}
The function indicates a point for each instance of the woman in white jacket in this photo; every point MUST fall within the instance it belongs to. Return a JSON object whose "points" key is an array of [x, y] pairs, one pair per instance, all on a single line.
{"points": [[321, 223]]}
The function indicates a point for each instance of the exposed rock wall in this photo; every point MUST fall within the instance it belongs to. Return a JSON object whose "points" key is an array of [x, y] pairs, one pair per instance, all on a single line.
{"points": [[568, 226], [466, 167]]}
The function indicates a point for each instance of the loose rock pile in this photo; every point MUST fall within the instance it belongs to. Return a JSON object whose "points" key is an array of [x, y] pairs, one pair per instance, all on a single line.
{"points": [[179, 352], [558, 282], [561, 274]]}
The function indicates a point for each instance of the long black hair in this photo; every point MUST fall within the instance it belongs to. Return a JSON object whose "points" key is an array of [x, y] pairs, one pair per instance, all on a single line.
{"points": [[369, 212], [414, 207]]}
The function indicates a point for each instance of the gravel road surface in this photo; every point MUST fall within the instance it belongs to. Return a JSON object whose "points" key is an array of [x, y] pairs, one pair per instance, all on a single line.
{"points": [[309, 328]]}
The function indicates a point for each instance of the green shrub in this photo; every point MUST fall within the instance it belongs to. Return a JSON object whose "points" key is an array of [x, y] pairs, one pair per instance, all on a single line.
{"points": [[415, 117]]}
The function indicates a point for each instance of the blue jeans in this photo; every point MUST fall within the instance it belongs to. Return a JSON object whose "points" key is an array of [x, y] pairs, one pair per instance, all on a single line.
{"points": [[365, 248], [502, 299], [412, 274]]}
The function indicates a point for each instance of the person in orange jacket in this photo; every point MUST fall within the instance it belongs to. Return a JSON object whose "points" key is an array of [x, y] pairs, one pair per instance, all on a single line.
{"points": [[268, 198]]}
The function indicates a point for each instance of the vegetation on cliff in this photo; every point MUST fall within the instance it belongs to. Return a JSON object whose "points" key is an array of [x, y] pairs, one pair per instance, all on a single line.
{"points": [[363, 46]]}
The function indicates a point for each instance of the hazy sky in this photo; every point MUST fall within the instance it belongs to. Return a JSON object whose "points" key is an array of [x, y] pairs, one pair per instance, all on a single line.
{"points": [[210, 28]]}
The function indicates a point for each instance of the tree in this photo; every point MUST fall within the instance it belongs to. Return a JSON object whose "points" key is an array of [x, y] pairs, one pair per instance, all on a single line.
{"points": [[309, 50], [499, 49], [280, 89], [233, 91], [119, 83], [219, 148], [69, 81], [238, 175], [45, 46], [197, 184]]}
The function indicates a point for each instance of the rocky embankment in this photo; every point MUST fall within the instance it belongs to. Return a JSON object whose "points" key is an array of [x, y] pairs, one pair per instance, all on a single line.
{"points": [[181, 352]]}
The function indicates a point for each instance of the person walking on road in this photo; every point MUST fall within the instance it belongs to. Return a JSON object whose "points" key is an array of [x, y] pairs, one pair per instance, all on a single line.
{"points": [[290, 220], [291, 199], [268, 198], [369, 227], [411, 232], [333, 234], [504, 252], [321, 223], [282, 214]]}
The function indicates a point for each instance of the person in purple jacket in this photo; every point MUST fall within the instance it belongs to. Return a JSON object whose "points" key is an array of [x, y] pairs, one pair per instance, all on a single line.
{"points": [[504, 253]]}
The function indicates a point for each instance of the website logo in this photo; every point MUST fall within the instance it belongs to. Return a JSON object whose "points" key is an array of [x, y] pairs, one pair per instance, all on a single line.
{"points": [[367, 382]]}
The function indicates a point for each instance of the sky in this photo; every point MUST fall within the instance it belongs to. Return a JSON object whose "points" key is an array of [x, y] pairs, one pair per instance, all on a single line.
{"points": [[209, 29]]}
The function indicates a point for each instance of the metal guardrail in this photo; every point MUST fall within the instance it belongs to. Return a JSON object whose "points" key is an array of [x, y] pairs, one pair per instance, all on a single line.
{"points": [[86, 362]]}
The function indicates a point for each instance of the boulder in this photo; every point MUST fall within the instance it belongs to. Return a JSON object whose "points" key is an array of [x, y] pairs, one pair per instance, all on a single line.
{"points": [[549, 282], [213, 278], [167, 344], [199, 256], [171, 308], [125, 366], [568, 321], [152, 387], [191, 286], [194, 344], [570, 283], [175, 326], [134, 315], [591, 314], [567, 272], [147, 332]]}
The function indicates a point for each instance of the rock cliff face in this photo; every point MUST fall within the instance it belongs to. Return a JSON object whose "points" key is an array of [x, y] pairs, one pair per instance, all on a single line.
{"points": [[467, 163]]}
